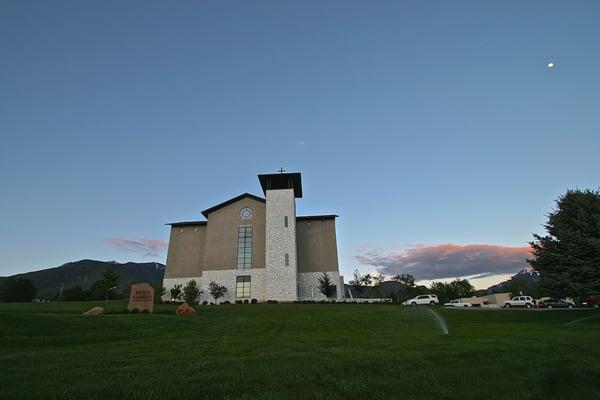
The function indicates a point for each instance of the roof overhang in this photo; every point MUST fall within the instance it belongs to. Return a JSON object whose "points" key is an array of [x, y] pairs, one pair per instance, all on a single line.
{"points": [[187, 223], [290, 180], [311, 217]]}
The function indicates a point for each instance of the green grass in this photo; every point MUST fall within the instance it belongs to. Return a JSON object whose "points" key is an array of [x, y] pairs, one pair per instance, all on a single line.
{"points": [[296, 351]]}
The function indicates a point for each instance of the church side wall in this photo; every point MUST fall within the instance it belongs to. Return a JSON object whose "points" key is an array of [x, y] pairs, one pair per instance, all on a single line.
{"points": [[185, 255], [317, 245]]}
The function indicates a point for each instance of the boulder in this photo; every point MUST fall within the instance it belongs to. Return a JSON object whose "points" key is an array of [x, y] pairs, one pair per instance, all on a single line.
{"points": [[186, 309], [94, 311]]}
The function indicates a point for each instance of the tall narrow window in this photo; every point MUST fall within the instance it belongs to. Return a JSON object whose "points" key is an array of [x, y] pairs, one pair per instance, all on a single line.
{"points": [[244, 247], [287, 260], [285, 221], [242, 287]]}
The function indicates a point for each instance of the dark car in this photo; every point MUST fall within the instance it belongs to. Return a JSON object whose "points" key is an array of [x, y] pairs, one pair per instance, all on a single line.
{"points": [[592, 302], [557, 303]]}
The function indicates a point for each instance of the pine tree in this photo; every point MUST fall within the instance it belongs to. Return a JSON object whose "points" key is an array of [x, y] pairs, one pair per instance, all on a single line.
{"points": [[107, 285], [568, 257], [326, 286], [191, 292]]}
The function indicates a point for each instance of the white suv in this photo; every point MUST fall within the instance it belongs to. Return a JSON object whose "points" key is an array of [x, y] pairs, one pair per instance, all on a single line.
{"points": [[423, 299], [519, 301]]}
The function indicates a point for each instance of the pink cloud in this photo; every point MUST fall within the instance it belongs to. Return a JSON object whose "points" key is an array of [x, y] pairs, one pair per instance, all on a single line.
{"points": [[448, 260], [147, 247]]}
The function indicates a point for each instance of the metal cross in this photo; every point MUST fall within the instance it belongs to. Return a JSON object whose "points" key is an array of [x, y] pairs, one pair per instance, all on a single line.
{"points": [[281, 170]]}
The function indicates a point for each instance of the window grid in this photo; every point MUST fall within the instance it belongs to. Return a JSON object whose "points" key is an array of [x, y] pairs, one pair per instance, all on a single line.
{"points": [[242, 287], [244, 247]]}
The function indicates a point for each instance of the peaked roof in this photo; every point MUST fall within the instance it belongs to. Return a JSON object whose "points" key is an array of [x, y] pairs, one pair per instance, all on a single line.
{"points": [[231, 201]]}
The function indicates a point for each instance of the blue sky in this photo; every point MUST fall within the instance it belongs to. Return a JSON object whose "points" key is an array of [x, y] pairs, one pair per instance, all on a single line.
{"points": [[421, 124]]}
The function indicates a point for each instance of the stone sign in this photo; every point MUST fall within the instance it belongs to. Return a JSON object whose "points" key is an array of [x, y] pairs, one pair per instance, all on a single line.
{"points": [[142, 297]]}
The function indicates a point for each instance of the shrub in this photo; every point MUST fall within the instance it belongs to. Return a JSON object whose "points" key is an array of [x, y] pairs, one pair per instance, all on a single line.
{"points": [[217, 291], [135, 311], [204, 303], [145, 312], [253, 301], [272, 301], [226, 302], [238, 302], [191, 292], [246, 301]]}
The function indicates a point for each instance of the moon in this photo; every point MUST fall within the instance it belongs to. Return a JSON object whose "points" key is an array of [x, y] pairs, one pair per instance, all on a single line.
{"points": [[551, 64]]}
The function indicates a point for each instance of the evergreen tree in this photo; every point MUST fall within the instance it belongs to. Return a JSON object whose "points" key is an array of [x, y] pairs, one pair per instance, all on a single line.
{"points": [[191, 292], [106, 286], [326, 286], [568, 257]]}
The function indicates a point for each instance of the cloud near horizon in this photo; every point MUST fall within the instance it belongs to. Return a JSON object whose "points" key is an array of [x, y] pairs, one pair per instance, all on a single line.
{"points": [[448, 260], [146, 247]]}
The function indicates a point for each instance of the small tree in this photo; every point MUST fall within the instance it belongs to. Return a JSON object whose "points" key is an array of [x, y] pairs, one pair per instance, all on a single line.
{"points": [[159, 292], [106, 286], [356, 282], [176, 293], [191, 292], [326, 286], [406, 279], [216, 291]]}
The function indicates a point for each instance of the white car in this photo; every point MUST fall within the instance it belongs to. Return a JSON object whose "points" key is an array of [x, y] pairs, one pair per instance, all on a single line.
{"points": [[422, 299], [458, 303], [519, 301]]}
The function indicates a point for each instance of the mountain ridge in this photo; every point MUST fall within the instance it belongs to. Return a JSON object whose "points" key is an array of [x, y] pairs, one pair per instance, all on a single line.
{"points": [[84, 273]]}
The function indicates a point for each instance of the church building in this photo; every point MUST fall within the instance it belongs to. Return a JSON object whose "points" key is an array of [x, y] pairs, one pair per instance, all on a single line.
{"points": [[257, 247]]}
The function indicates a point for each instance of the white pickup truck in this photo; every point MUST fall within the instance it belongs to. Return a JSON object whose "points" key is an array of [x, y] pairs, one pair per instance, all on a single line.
{"points": [[457, 303], [519, 301]]}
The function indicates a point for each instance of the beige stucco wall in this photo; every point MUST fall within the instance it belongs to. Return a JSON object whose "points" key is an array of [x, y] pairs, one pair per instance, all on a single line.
{"points": [[185, 256], [317, 247], [222, 235]]}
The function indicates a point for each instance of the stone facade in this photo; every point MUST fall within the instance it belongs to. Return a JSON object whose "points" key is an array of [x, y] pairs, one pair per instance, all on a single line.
{"points": [[281, 261], [228, 278], [308, 285]]}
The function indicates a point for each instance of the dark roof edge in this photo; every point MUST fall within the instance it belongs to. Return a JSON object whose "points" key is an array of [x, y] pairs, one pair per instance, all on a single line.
{"points": [[231, 201], [309, 217], [187, 223]]}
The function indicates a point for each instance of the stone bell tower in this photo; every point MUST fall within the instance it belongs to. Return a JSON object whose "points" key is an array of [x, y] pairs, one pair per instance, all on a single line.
{"points": [[281, 260]]}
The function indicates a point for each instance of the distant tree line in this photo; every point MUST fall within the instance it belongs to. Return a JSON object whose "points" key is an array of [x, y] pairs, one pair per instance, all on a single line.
{"points": [[17, 290]]}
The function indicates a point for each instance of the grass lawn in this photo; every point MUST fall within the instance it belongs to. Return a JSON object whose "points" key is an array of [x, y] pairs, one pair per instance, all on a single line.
{"points": [[297, 351]]}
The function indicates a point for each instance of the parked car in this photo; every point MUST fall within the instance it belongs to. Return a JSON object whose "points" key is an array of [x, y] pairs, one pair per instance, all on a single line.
{"points": [[592, 302], [556, 303], [430, 299], [519, 301], [458, 303]]}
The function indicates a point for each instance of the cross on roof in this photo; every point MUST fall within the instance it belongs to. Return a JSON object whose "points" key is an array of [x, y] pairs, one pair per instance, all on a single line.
{"points": [[281, 170]]}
